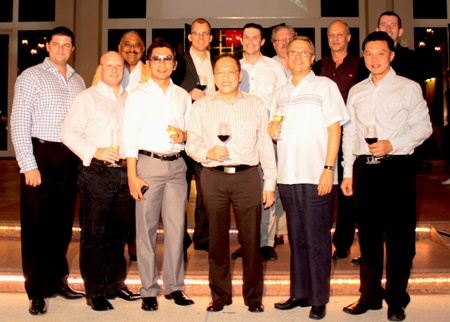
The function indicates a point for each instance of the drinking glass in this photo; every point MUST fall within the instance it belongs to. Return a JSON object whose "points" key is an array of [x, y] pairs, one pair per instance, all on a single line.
{"points": [[224, 133], [115, 137]]}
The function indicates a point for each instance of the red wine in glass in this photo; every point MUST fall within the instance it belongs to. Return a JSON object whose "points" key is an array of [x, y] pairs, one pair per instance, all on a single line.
{"points": [[201, 87], [371, 140], [223, 138]]}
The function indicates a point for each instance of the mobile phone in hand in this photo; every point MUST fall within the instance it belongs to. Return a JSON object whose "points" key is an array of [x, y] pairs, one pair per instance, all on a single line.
{"points": [[144, 189]]}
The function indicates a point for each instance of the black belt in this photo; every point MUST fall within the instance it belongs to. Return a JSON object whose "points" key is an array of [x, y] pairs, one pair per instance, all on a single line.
{"points": [[233, 168], [162, 157], [37, 140], [122, 163], [371, 159]]}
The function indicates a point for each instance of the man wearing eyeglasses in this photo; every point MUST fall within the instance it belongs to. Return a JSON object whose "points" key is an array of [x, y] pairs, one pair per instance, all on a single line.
{"points": [[342, 68], [195, 75], [107, 209], [154, 135], [308, 141], [230, 176], [281, 36], [261, 76]]}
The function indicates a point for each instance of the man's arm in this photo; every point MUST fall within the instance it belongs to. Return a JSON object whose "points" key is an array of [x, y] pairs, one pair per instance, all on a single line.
{"points": [[135, 183], [327, 176]]}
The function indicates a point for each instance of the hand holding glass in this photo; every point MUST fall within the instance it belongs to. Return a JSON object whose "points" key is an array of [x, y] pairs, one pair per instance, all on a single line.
{"points": [[224, 133], [278, 117], [115, 137], [370, 135]]}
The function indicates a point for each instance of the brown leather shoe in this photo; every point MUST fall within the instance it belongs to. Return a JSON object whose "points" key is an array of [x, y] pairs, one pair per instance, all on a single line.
{"points": [[256, 308], [217, 305]]}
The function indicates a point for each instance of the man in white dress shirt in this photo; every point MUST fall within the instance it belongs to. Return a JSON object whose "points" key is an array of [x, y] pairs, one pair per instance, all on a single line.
{"points": [[106, 207], [154, 134]]}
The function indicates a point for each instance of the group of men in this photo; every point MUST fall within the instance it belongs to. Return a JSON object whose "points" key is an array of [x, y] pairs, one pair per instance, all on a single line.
{"points": [[168, 130]]}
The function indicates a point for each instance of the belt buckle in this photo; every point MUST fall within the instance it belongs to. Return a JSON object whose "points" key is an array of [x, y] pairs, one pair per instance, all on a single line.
{"points": [[167, 157], [372, 160], [229, 169]]}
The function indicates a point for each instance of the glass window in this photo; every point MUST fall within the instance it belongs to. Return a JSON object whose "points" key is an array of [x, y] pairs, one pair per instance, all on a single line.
{"points": [[31, 49], [343, 8], [120, 9], [32, 10], [6, 10], [175, 37], [353, 46], [424, 9]]}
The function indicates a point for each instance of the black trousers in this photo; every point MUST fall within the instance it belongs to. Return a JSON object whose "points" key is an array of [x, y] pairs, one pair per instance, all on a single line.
{"points": [[46, 217], [243, 190], [107, 209], [385, 206]]}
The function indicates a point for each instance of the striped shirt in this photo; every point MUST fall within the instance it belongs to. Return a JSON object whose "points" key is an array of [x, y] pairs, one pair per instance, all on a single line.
{"points": [[249, 143], [42, 97]]}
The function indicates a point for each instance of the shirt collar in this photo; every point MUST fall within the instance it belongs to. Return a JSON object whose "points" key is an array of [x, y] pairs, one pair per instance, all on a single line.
{"points": [[49, 66], [109, 89], [216, 96]]}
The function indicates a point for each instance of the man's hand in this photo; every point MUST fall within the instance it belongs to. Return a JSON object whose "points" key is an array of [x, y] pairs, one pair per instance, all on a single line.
{"points": [[196, 94], [33, 178], [268, 198], [218, 153], [380, 148], [347, 187], [179, 136], [274, 128], [135, 184], [325, 182], [107, 154]]}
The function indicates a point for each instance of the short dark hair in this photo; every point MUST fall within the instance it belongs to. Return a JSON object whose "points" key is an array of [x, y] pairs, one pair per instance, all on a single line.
{"points": [[160, 43], [61, 31], [379, 36], [202, 21], [390, 13], [134, 32], [256, 26], [238, 63]]}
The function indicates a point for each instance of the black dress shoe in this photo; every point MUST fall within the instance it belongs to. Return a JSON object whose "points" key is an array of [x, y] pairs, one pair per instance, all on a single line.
{"points": [[279, 240], [180, 298], [237, 253], [291, 303], [217, 305], [269, 253], [202, 246], [99, 303], [68, 293], [126, 294], [318, 312], [356, 260], [339, 254], [37, 306], [149, 303], [361, 307], [256, 308], [396, 313]]}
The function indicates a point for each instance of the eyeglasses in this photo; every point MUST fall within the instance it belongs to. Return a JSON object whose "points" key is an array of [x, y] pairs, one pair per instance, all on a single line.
{"points": [[286, 39], [223, 73], [160, 59], [200, 33], [298, 53]]}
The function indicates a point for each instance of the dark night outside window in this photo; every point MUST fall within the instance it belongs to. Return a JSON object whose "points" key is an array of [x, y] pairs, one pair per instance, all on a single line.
{"points": [[31, 49], [127, 9], [426, 9], [343, 8], [36, 10], [6, 10]]}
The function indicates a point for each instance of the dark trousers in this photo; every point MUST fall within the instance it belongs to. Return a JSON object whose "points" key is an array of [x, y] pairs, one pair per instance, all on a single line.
{"points": [[46, 217], [385, 206], [106, 212], [309, 221], [243, 190], [201, 230], [344, 233]]}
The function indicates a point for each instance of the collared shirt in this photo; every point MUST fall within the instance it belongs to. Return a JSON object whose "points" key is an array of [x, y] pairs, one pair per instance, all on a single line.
{"points": [[42, 97], [309, 109], [397, 108], [249, 143], [344, 75], [204, 69], [132, 79], [262, 78], [92, 116], [287, 71], [148, 112]]}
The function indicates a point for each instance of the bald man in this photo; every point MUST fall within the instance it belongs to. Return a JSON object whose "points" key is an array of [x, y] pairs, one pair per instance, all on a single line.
{"points": [[107, 207]]}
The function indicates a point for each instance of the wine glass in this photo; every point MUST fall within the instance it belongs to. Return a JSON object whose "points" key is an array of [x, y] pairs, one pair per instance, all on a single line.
{"points": [[278, 117], [224, 133], [203, 83], [370, 135], [171, 130], [115, 137]]}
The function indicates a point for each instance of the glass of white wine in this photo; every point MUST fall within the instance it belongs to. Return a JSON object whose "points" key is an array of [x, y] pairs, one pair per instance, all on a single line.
{"points": [[278, 117], [115, 137], [171, 131]]}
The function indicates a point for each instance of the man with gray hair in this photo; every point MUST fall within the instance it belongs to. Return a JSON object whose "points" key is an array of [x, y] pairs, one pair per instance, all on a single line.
{"points": [[281, 36]]}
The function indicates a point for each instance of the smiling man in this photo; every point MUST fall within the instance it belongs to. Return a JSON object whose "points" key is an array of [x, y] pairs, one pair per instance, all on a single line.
{"points": [[381, 176], [228, 171], [281, 36], [307, 147], [154, 135]]}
